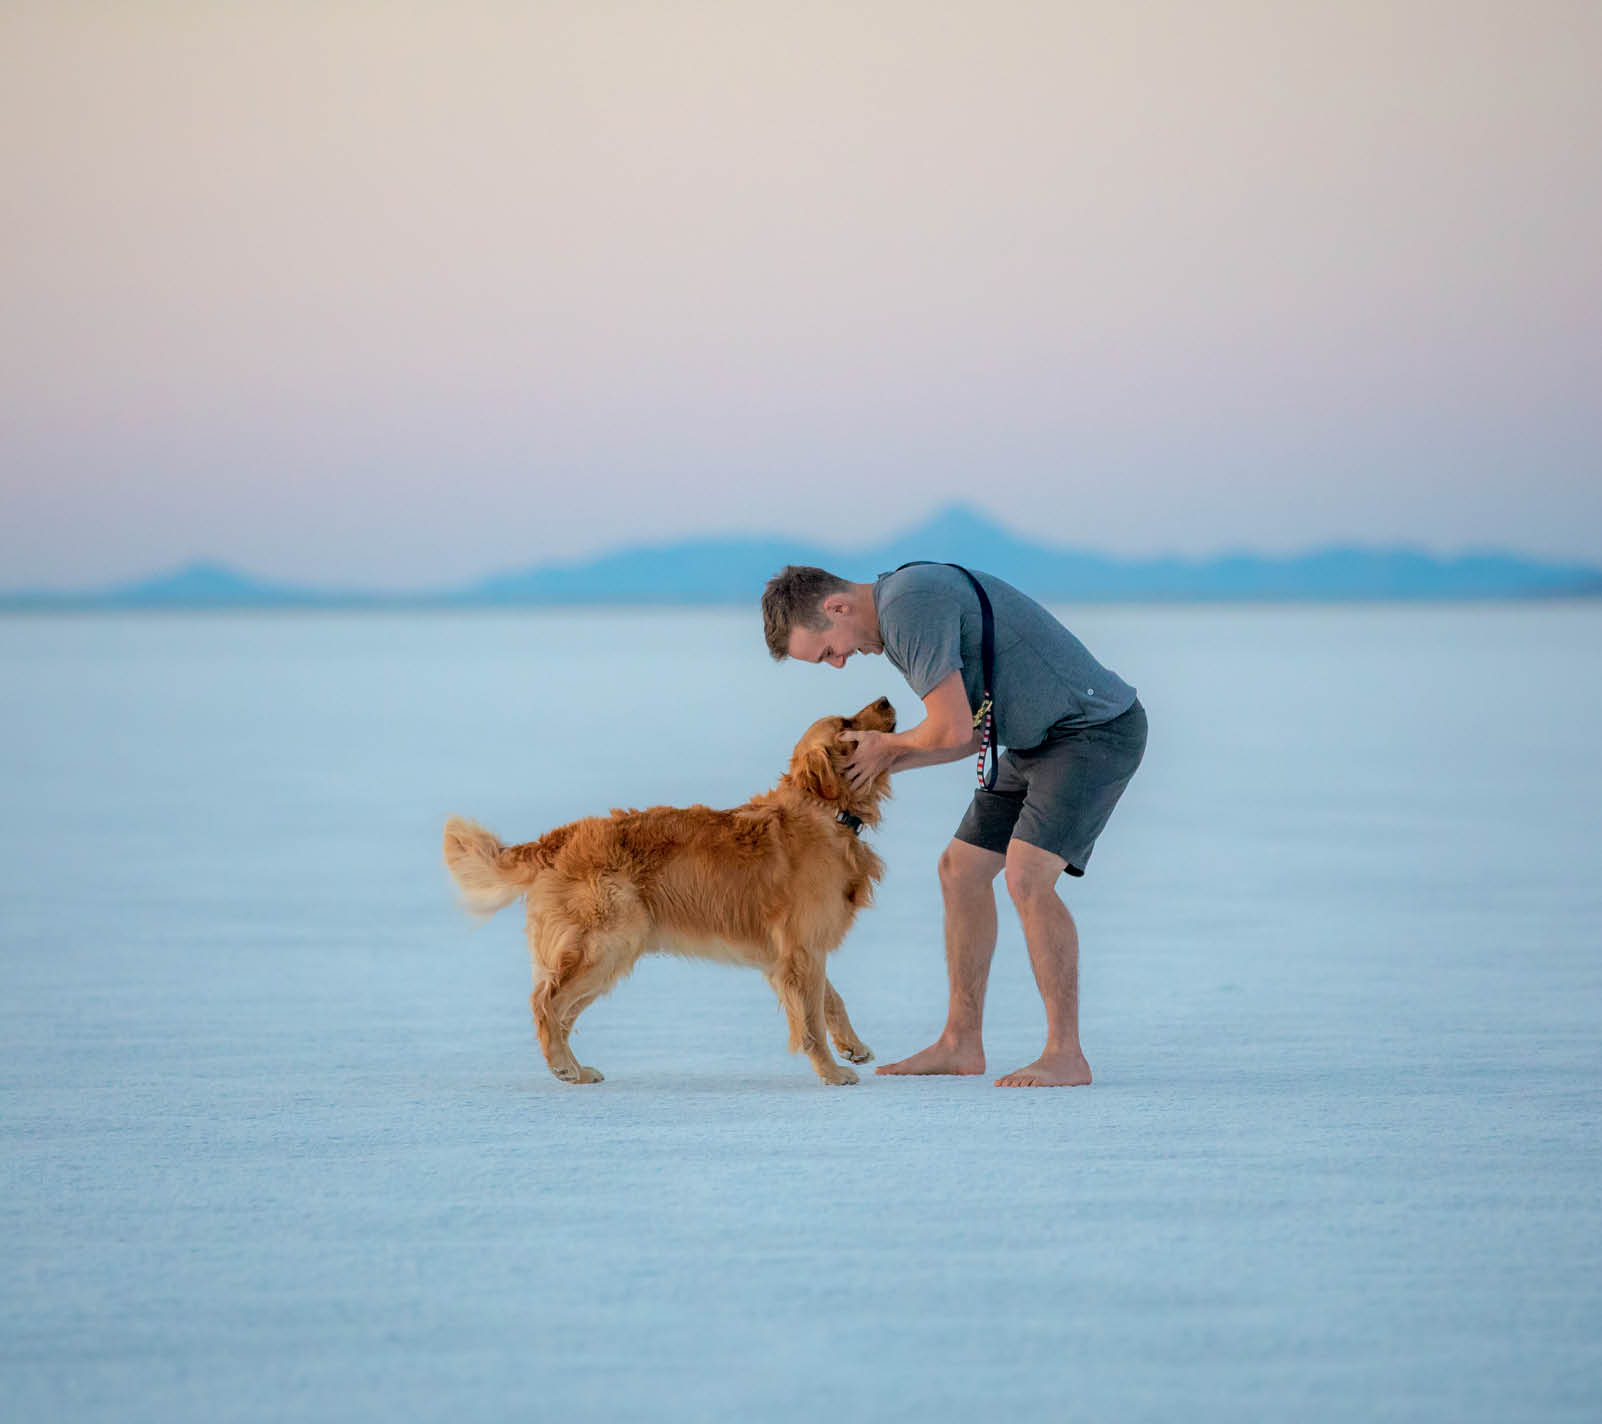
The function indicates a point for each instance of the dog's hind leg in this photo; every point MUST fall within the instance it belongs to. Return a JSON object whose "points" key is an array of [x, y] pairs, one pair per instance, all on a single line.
{"points": [[582, 973], [560, 962], [557, 1004], [797, 978], [553, 1032], [840, 1030], [570, 1000]]}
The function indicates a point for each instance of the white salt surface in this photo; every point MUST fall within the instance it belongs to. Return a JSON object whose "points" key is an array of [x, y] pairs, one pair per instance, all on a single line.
{"points": [[278, 1143]]}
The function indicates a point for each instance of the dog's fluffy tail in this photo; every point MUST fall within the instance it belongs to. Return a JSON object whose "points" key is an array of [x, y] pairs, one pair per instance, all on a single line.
{"points": [[489, 874]]}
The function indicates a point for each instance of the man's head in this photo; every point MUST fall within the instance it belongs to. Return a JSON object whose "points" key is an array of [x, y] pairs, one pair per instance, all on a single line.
{"points": [[817, 617]]}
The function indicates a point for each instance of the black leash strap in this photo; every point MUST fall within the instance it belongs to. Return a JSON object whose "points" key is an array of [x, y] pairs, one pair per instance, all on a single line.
{"points": [[984, 719]]}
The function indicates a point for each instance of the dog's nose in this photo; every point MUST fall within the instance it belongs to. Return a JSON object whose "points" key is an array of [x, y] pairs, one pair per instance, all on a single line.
{"points": [[883, 704]]}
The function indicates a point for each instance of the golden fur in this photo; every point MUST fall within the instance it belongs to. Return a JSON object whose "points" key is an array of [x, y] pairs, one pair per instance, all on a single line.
{"points": [[774, 884]]}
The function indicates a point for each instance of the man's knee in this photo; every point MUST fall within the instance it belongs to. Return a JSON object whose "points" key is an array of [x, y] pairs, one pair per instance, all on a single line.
{"points": [[1031, 875], [965, 866]]}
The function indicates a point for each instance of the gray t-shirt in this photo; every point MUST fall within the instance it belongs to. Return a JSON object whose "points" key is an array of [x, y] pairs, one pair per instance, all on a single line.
{"points": [[1045, 677]]}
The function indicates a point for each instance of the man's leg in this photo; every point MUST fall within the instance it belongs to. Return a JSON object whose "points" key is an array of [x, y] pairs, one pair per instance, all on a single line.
{"points": [[967, 875], [1054, 954]]}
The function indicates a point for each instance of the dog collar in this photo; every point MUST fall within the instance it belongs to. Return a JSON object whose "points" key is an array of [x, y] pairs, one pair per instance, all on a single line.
{"points": [[845, 818]]}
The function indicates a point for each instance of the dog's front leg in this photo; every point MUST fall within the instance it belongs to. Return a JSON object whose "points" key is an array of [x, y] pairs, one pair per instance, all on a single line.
{"points": [[799, 981], [846, 1040]]}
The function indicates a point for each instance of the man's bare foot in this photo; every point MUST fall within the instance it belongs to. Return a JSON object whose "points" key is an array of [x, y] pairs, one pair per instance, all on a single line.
{"points": [[943, 1056], [1050, 1070]]}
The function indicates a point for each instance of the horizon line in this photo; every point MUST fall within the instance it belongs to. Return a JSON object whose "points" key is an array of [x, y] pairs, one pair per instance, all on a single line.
{"points": [[983, 522]]}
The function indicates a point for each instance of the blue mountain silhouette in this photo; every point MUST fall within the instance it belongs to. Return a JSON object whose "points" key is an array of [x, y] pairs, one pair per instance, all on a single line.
{"points": [[734, 569]]}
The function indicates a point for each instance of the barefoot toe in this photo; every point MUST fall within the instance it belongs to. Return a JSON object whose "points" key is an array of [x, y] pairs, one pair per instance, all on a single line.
{"points": [[1069, 1071], [939, 1058]]}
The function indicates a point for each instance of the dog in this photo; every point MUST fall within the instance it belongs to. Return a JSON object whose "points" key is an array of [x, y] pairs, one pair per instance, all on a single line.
{"points": [[774, 884]]}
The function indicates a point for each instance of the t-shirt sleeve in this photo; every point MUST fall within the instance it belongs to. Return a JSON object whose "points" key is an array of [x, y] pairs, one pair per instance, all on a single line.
{"points": [[923, 635]]}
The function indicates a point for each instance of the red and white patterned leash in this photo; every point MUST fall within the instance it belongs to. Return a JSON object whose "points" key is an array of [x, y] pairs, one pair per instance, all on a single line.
{"points": [[985, 719]]}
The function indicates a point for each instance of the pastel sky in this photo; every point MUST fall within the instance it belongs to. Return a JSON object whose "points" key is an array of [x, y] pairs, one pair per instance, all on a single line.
{"points": [[396, 294]]}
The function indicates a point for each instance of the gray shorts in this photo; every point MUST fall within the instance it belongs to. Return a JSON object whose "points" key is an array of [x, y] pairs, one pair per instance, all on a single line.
{"points": [[1058, 796]]}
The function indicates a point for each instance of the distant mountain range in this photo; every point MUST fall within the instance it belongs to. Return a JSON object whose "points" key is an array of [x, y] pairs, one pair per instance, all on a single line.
{"points": [[733, 570]]}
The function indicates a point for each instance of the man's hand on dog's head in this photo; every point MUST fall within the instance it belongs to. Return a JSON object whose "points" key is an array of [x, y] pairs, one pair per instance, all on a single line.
{"points": [[876, 752]]}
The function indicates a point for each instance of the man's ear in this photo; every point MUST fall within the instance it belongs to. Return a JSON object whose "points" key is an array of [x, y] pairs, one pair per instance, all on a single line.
{"points": [[818, 773], [836, 605]]}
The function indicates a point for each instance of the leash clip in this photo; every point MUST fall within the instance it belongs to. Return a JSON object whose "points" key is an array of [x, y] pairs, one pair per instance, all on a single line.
{"points": [[981, 714]]}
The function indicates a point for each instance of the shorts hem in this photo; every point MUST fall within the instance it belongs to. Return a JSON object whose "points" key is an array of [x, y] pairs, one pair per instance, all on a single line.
{"points": [[957, 835], [1069, 868]]}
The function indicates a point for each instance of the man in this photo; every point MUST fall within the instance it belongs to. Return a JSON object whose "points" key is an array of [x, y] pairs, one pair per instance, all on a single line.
{"points": [[1075, 733]]}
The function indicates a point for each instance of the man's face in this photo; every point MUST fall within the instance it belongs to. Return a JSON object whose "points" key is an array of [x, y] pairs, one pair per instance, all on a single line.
{"points": [[843, 635]]}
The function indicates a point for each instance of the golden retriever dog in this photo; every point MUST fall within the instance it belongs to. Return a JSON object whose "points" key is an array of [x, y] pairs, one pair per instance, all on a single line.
{"points": [[774, 884]]}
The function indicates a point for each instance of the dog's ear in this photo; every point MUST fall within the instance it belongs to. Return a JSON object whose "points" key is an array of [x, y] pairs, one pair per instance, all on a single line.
{"points": [[818, 774]]}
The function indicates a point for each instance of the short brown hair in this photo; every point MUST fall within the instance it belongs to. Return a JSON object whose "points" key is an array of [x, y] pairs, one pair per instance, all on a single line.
{"points": [[794, 597]]}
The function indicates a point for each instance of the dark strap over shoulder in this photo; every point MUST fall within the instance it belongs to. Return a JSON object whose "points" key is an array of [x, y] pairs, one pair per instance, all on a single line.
{"points": [[984, 717]]}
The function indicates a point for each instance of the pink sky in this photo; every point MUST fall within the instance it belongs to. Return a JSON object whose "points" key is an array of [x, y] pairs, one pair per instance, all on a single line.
{"points": [[394, 295]]}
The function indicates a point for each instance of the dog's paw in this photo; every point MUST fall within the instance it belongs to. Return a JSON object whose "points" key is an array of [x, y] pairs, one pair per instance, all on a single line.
{"points": [[856, 1052], [839, 1076], [580, 1074]]}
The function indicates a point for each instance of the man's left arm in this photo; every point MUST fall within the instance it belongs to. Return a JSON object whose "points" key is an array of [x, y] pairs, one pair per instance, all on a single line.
{"points": [[946, 734]]}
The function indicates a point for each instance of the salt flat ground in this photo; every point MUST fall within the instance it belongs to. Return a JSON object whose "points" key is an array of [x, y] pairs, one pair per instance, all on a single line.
{"points": [[278, 1143]]}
